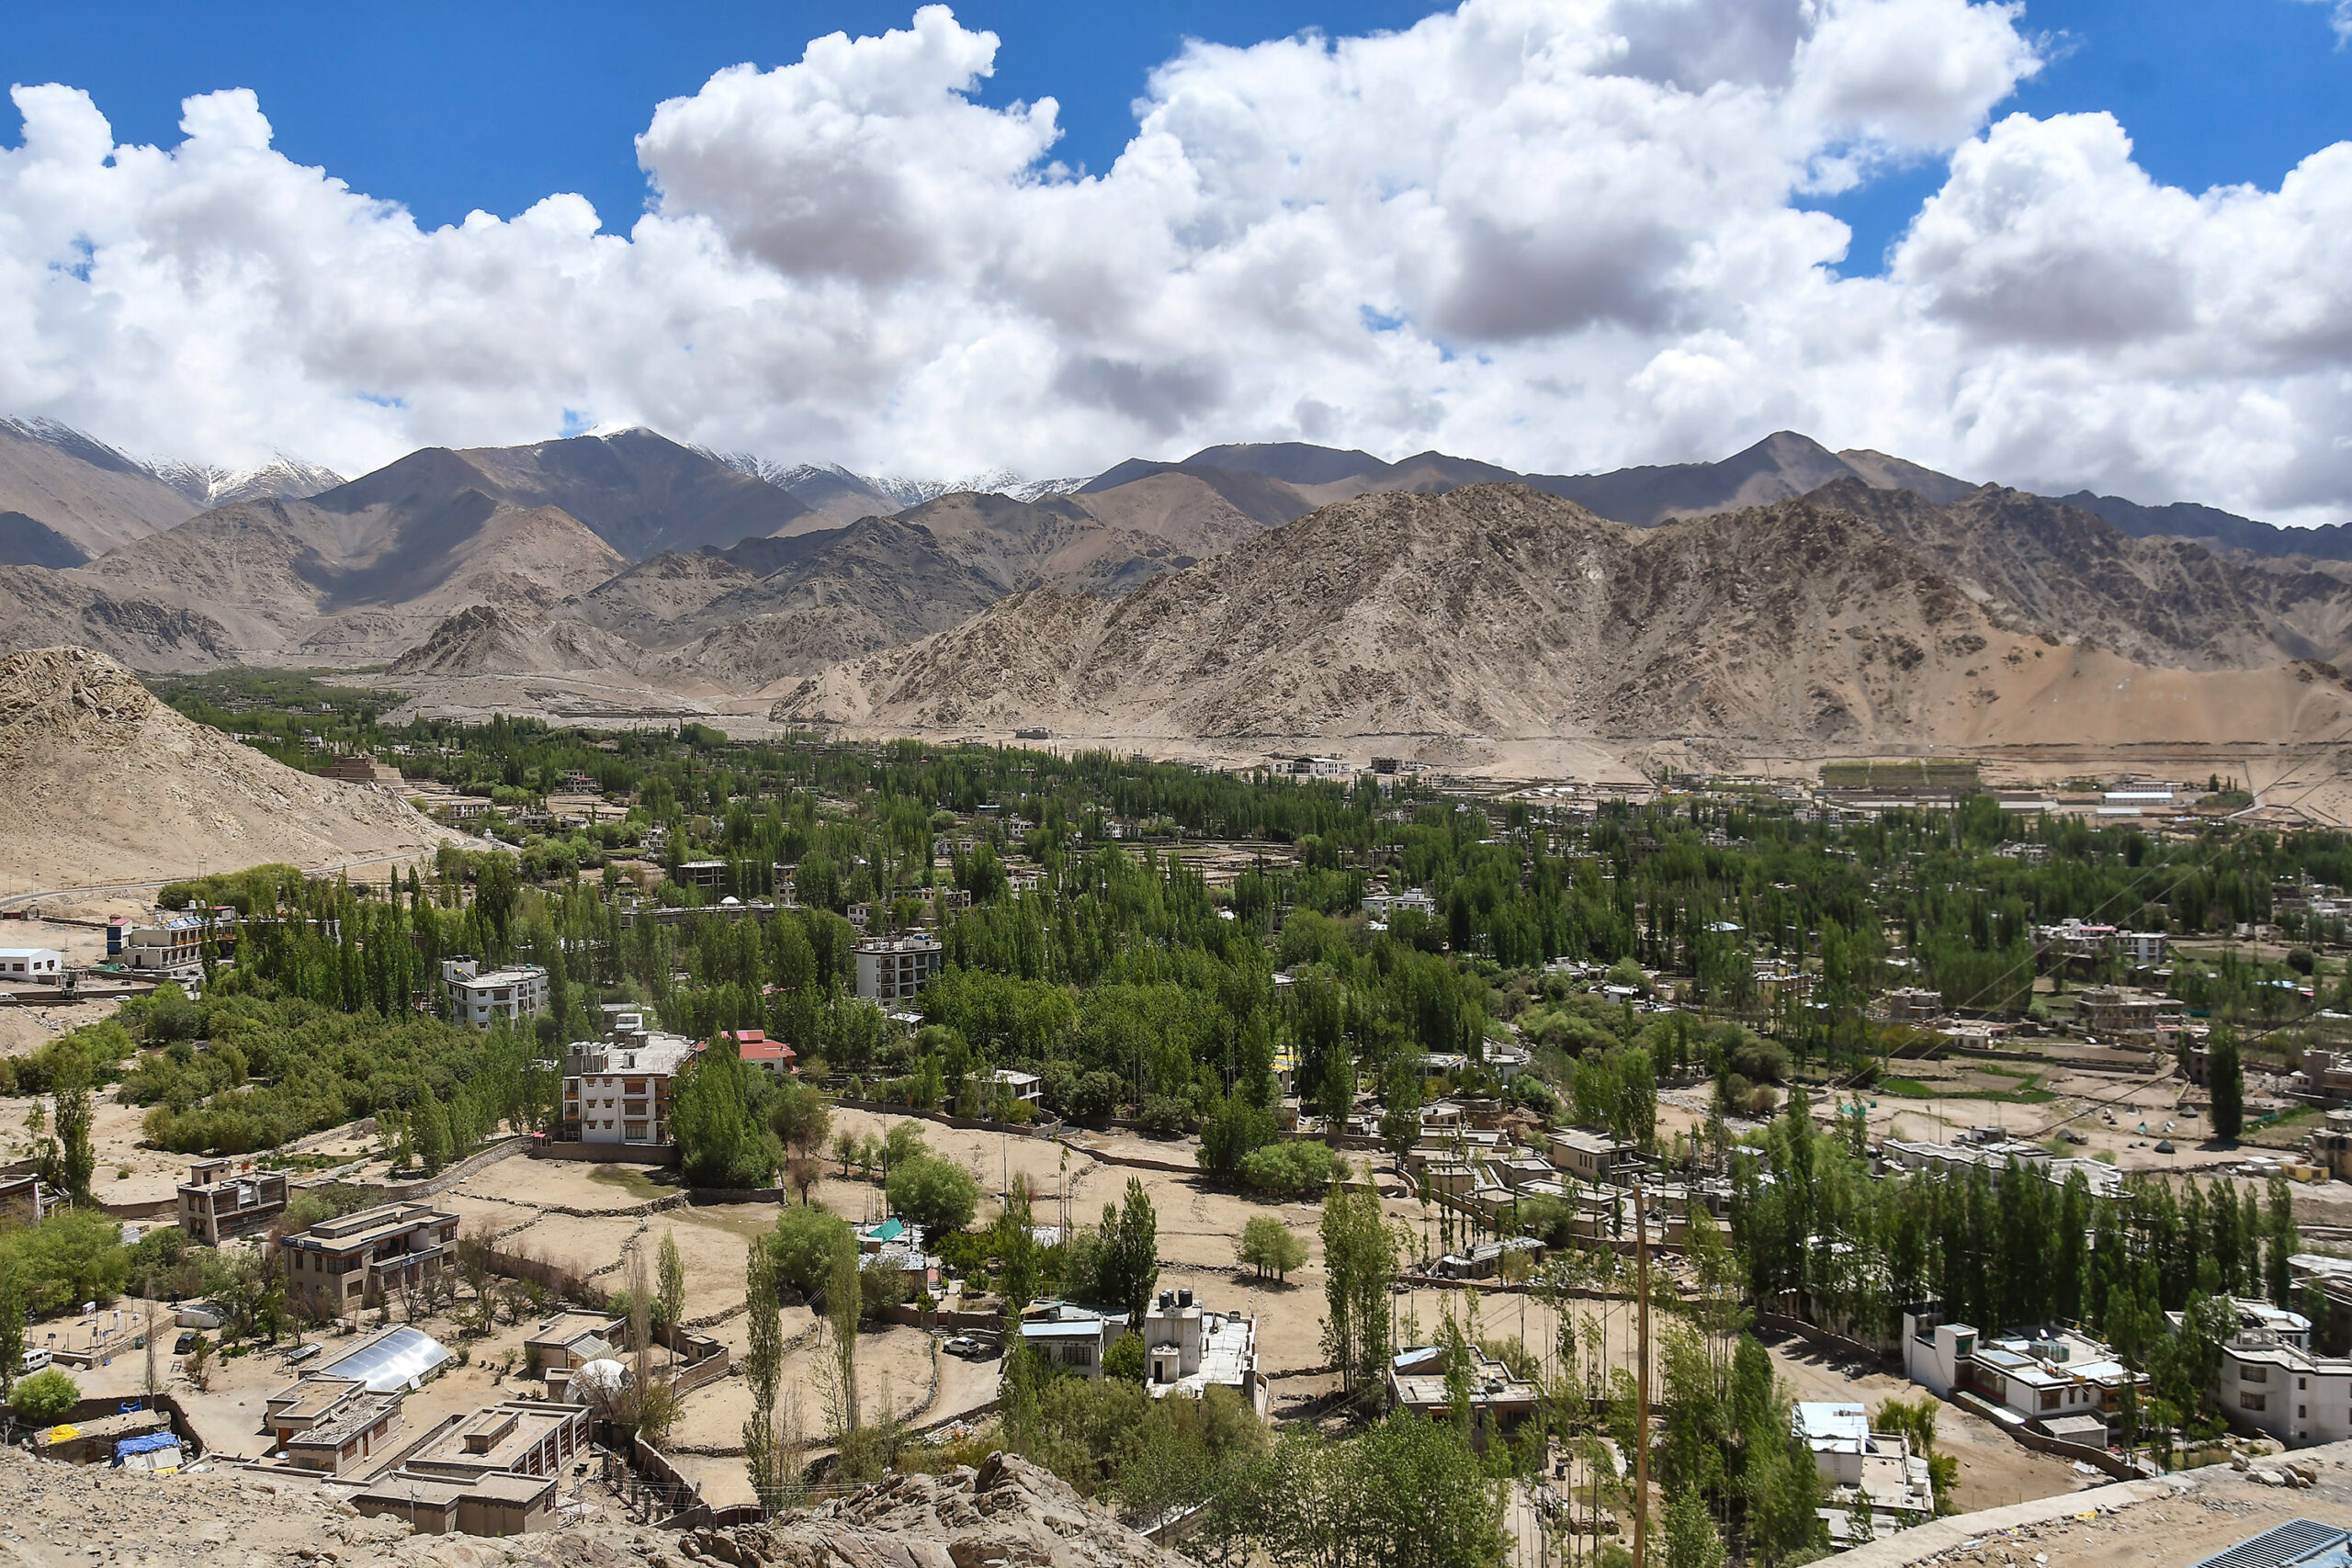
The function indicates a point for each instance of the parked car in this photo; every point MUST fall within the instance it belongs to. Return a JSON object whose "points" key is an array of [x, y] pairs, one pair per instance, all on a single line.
{"points": [[34, 1361], [964, 1344]]}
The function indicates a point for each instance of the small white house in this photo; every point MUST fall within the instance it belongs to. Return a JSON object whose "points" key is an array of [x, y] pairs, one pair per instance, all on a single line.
{"points": [[31, 966], [1027, 1088]]}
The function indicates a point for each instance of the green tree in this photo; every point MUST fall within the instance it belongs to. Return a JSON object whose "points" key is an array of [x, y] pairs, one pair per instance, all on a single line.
{"points": [[1420, 1499], [1126, 1359], [1127, 1265], [717, 1120], [1359, 1264], [670, 1269], [1269, 1246], [1691, 1539], [802, 1122], [771, 1442], [937, 1194], [805, 1243], [2281, 1241], [45, 1398], [2226, 1081], [1013, 1238], [12, 1330]]}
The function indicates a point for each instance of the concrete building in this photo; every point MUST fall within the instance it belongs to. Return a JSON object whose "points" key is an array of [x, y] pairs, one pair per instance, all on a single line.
{"points": [[477, 999], [341, 1265], [2119, 1014], [709, 874], [219, 1202], [618, 1091], [1073, 1338], [1413, 901], [573, 1340], [1913, 1004], [516, 1437], [1862, 1468], [26, 1199], [891, 970], [1027, 1088], [31, 965], [175, 943], [1191, 1351], [2060, 1382], [332, 1426], [1500, 1402], [1592, 1155], [2270, 1381]]}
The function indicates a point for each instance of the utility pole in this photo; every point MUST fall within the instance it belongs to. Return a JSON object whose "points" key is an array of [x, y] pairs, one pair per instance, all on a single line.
{"points": [[1641, 1380]]}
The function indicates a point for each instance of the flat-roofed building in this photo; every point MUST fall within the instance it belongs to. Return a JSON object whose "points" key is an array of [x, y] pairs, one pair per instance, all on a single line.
{"points": [[573, 1340], [31, 965], [1073, 1338], [1862, 1468], [890, 969], [1498, 1401], [618, 1091], [521, 1437], [332, 1425], [27, 1199], [355, 1260], [219, 1202], [498, 1503], [1591, 1156], [1191, 1350], [480, 997]]}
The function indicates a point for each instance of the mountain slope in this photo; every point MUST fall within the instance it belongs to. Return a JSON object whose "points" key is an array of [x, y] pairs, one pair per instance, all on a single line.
{"points": [[357, 584], [105, 779], [2186, 520], [638, 491], [1496, 611], [82, 490], [2053, 569]]}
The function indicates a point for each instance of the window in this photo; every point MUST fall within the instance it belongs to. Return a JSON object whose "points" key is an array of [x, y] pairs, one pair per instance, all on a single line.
{"points": [[2049, 1399], [2253, 1401], [2253, 1374]]}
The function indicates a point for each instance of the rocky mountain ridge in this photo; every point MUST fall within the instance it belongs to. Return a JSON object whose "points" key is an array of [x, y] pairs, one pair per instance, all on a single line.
{"points": [[1497, 611]]}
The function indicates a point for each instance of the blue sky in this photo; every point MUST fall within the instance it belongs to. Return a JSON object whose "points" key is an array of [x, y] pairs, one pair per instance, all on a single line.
{"points": [[448, 108]]}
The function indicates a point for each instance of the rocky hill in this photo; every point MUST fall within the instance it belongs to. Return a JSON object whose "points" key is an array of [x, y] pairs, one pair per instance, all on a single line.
{"points": [[109, 785], [497, 640], [2054, 568], [1008, 1513], [1498, 612]]}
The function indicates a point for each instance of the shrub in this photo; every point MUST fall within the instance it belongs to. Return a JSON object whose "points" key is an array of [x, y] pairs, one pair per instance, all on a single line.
{"points": [[1125, 1360], [1292, 1168], [45, 1398]]}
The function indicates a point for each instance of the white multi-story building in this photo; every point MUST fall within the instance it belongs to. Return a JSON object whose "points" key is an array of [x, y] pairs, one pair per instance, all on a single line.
{"points": [[891, 970], [479, 998], [618, 1091], [2270, 1382], [177, 942]]}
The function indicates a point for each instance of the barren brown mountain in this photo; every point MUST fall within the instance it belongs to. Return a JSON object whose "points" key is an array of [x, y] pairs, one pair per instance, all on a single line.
{"points": [[1498, 612], [109, 785], [2048, 567]]}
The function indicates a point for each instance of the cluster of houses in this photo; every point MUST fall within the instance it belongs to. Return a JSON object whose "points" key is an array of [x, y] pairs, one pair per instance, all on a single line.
{"points": [[1189, 1348]]}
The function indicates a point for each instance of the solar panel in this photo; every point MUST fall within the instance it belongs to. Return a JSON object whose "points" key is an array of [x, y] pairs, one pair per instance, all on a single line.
{"points": [[398, 1357], [2289, 1543]]}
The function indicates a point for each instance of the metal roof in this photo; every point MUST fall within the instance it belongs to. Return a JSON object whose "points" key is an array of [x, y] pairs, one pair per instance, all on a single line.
{"points": [[2297, 1540], [398, 1357]]}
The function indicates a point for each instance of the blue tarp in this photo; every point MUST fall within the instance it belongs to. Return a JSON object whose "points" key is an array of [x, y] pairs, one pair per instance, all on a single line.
{"points": [[146, 1445]]}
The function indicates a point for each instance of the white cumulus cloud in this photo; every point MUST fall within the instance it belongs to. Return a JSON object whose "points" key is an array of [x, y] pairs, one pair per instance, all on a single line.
{"points": [[1560, 235]]}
